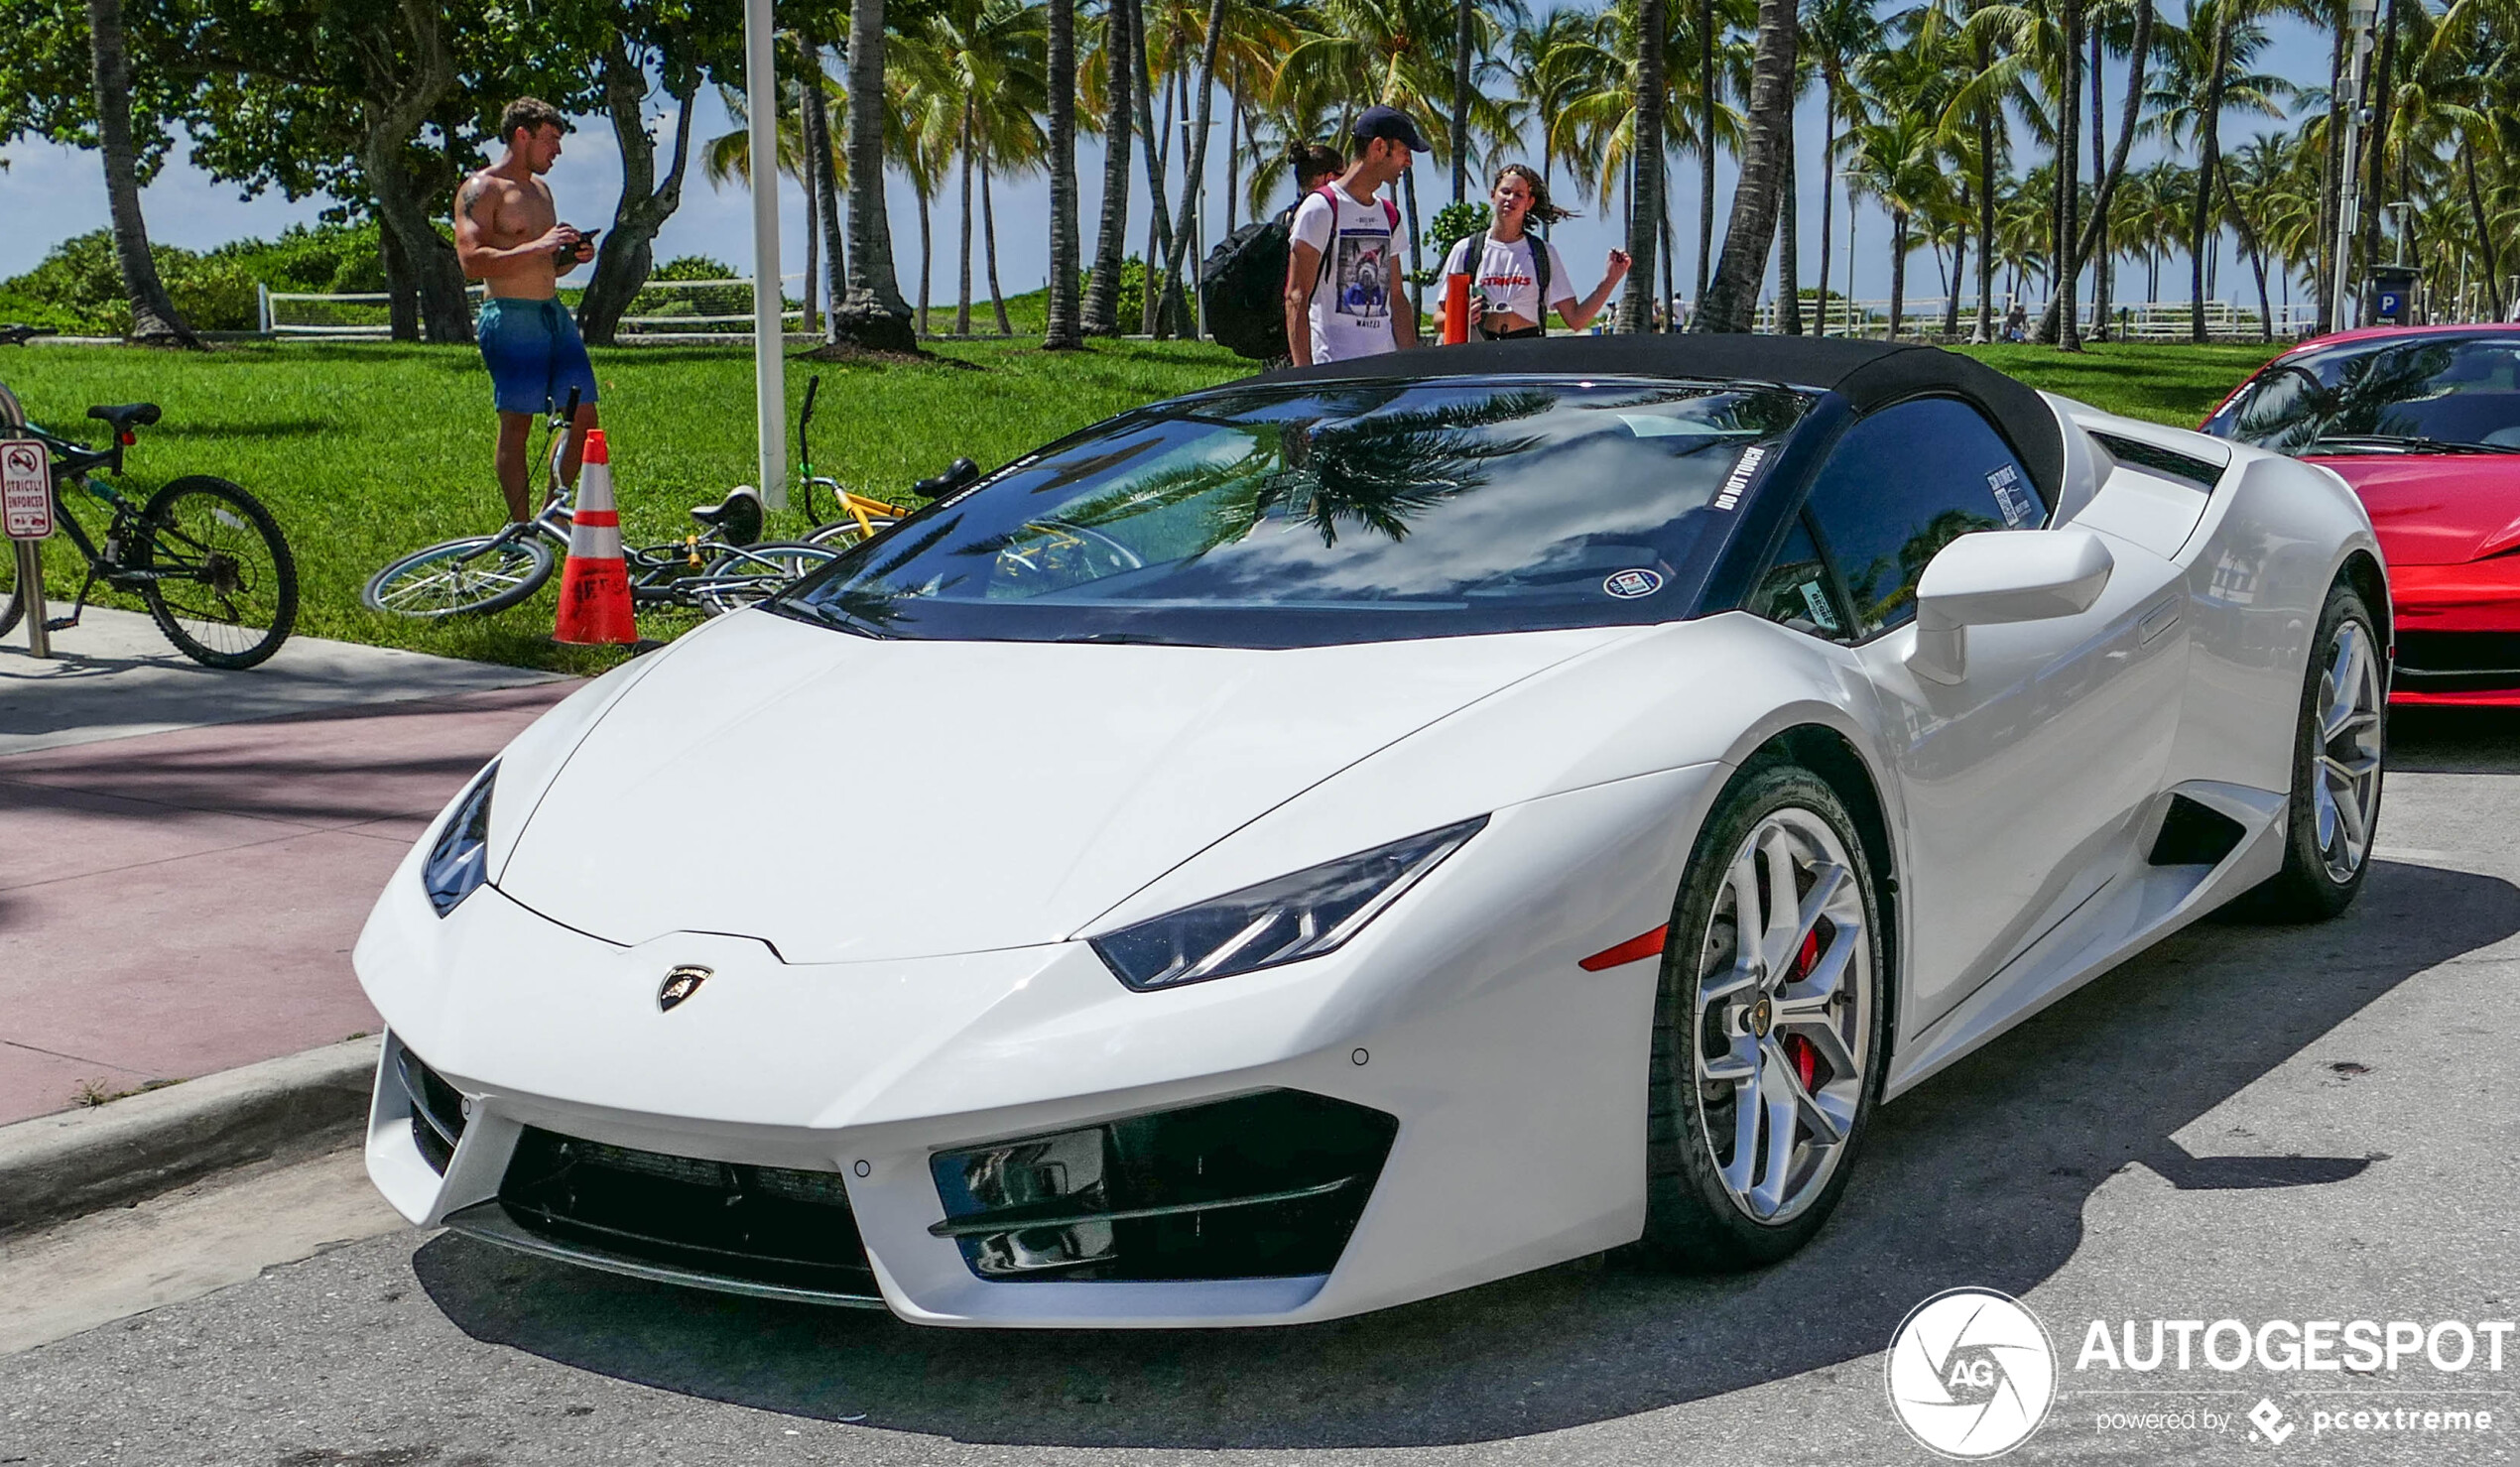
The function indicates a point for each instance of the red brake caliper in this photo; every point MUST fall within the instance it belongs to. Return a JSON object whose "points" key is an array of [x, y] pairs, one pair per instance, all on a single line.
{"points": [[1805, 1057]]}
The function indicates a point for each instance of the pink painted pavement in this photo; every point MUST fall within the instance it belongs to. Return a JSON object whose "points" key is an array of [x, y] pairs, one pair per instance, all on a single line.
{"points": [[180, 903]]}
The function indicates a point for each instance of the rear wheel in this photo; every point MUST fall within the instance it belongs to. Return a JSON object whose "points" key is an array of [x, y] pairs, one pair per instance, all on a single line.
{"points": [[2338, 747], [223, 587], [1769, 1030], [748, 575], [475, 575]]}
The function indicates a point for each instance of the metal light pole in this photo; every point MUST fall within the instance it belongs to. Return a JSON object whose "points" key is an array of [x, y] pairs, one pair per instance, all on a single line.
{"points": [[1854, 327], [769, 341], [2359, 15]]}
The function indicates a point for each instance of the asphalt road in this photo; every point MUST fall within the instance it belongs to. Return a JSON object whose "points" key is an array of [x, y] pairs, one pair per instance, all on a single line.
{"points": [[2247, 1122]]}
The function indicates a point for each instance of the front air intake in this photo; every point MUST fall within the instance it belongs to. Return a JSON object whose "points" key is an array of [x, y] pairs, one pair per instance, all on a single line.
{"points": [[1260, 1186], [767, 1230], [437, 1110]]}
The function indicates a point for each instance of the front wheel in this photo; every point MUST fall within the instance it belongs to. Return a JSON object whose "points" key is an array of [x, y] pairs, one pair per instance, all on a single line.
{"points": [[221, 583], [1769, 1028], [2337, 747], [479, 575]]}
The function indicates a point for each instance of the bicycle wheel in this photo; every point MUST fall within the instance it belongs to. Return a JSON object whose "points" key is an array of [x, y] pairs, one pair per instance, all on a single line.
{"points": [[223, 587], [479, 574], [845, 533], [747, 576]]}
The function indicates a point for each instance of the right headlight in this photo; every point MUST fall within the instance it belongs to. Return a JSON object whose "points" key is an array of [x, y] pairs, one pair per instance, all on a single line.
{"points": [[1293, 918], [460, 862]]}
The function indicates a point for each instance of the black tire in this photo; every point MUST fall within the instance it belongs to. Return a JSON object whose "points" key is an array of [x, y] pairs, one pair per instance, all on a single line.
{"points": [[235, 597], [472, 576], [1694, 1218], [2322, 873], [845, 533]]}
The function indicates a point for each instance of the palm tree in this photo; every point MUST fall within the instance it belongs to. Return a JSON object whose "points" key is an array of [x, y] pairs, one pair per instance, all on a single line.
{"points": [[1066, 329], [1839, 33], [1102, 316], [1899, 162], [1734, 297], [1546, 68], [1645, 195], [874, 314], [990, 57], [153, 314]]}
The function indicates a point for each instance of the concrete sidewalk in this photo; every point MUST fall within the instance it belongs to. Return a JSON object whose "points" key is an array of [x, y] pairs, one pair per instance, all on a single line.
{"points": [[184, 901]]}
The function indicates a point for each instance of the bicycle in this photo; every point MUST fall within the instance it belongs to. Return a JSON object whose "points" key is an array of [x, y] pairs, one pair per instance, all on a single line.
{"points": [[859, 518], [203, 554], [714, 570]]}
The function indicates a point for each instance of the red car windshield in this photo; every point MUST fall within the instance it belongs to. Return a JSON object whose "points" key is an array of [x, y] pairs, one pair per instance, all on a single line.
{"points": [[2432, 394]]}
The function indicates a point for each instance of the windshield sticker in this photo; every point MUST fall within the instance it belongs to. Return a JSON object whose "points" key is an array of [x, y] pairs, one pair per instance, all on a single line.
{"points": [[1627, 585], [2011, 498], [1822, 616], [1739, 479]]}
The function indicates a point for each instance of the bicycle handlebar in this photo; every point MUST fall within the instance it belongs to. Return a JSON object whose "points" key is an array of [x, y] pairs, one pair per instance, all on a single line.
{"points": [[569, 414]]}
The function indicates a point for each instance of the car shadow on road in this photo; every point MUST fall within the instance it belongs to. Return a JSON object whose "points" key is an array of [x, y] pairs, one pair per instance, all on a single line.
{"points": [[1977, 1178]]}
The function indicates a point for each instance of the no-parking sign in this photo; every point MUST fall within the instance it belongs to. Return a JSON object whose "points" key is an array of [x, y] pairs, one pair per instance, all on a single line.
{"points": [[26, 489]]}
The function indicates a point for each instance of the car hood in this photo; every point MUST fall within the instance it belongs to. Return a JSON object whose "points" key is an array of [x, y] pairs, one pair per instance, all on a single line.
{"points": [[844, 799], [2436, 508]]}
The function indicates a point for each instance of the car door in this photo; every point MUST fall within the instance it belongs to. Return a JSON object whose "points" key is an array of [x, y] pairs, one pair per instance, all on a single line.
{"points": [[2022, 784]]}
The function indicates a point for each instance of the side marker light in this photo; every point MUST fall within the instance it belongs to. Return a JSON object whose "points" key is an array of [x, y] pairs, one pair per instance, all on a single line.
{"points": [[1635, 949]]}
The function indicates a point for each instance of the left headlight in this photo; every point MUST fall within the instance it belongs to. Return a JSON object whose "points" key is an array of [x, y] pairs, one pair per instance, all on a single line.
{"points": [[1277, 921], [460, 860]]}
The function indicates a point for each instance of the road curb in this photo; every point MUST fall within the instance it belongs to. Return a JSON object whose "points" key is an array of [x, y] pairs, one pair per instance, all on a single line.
{"points": [[59, 1166]]}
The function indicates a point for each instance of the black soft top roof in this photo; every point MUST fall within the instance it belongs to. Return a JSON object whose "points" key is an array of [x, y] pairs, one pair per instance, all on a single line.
{"points": [[1868, 374]]}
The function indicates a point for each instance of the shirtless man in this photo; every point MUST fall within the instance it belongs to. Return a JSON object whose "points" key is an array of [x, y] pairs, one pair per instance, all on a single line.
{"points": [[508, 236]]}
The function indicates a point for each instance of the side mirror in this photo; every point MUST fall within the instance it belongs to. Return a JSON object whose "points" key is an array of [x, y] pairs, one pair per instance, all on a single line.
{"points": [[1994, 576]]}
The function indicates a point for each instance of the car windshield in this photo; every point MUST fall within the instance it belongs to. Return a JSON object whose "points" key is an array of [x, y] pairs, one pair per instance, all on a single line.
{"points": [[2420, 395], [1314, 514]]}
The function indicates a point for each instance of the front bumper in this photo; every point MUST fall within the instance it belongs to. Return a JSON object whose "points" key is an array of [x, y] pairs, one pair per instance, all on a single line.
{"points": [[2458, 632], [1514, 1081]]}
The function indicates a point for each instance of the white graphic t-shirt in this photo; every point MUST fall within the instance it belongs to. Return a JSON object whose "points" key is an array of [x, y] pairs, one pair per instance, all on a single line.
{"points": [[1352, 302], [1503, 274]]}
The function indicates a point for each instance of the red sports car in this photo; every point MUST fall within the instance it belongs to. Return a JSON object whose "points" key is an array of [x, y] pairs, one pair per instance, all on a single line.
{"points": [[2424, 421]]}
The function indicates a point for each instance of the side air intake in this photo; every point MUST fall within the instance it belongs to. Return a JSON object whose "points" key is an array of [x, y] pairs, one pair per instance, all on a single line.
{"points": [[2193, 834]]}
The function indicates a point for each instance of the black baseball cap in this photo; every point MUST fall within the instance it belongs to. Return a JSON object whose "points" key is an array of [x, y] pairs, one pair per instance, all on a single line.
{"points": [[1392, 123]]}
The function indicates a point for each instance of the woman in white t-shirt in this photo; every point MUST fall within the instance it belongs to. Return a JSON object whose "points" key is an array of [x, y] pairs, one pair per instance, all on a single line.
{"points": [[1507, 278]]}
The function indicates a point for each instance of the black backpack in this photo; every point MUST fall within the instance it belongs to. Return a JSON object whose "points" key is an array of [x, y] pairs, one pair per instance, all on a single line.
{"points": [[1242, 288]]}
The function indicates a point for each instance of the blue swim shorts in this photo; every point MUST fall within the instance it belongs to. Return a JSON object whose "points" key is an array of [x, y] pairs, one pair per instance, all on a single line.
{"points": [[533, 354]]}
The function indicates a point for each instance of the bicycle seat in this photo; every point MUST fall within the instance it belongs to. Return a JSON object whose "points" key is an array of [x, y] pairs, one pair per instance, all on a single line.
{"points": [[126, 415], [958, 473], [737, 516]]}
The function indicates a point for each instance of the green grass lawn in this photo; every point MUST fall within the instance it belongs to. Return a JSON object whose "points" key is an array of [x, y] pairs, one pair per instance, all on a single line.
{"points": [[366, 451]]}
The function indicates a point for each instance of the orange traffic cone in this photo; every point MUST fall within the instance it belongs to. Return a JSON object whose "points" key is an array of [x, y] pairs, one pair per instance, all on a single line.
{"points": [[594, 586]]}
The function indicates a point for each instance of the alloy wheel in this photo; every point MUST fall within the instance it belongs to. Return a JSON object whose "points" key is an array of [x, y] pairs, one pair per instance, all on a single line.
{"points": [[1783, 1014]]}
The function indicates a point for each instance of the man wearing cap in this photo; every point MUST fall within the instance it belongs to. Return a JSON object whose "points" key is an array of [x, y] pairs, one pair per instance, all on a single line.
{"points": [[1345, 294]]}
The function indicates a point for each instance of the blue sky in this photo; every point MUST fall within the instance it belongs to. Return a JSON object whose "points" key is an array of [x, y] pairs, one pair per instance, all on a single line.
{"points": [[48, 194]]}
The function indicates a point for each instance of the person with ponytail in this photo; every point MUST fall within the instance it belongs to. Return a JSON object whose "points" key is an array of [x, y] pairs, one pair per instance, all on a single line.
{"points": [[1517, 275]]}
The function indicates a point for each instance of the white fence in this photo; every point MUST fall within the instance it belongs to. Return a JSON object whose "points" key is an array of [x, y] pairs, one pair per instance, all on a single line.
{"points": [[697, 311], [1922, 318]]}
